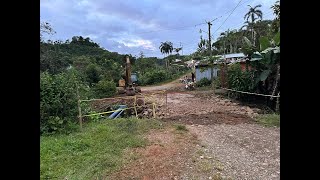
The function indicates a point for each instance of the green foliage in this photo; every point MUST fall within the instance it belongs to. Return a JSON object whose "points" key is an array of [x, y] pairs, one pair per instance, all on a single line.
{"points": [[166, 47], [97, 73], [240, 80], [153, 76], [52, 60], [58, 102], [104, 88], [93, 73], [94, 152], [203, 82], [276, 39], [143, 65], [264, 43], [264, 74]]}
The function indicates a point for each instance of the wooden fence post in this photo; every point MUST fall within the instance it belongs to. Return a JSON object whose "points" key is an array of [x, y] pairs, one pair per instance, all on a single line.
{"points": [[79, 107], [166, 103], [135, 105], [277, 105], [154, 109]]}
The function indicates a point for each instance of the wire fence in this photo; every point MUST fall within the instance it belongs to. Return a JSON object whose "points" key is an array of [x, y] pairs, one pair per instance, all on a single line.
{"points": [[137, 103]]}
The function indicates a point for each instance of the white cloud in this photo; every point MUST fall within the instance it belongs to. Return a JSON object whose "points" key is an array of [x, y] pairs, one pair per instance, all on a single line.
{"points": [[145, 44]]}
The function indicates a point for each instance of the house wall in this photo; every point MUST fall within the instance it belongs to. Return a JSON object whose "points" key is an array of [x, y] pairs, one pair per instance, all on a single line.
{"points": [[206, 73], [243, 66]]}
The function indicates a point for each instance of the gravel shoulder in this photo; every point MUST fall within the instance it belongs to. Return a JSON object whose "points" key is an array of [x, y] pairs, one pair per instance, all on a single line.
{"points": [[241, 151]]}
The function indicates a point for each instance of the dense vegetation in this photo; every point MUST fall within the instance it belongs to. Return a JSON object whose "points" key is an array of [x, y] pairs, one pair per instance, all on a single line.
{"points": [[152, 70], [81, 64]]}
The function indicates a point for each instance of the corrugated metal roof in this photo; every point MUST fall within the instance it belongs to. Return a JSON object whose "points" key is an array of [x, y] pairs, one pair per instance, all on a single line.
{"points": [[236, 55]]}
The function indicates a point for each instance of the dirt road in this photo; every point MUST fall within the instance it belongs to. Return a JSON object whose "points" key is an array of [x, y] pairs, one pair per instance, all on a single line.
{"points": [[222, 141], [166, 86]]}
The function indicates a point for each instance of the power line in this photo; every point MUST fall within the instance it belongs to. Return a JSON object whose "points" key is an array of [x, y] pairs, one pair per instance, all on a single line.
{"points": [[238, 26], [183, 27], [228, 16]]}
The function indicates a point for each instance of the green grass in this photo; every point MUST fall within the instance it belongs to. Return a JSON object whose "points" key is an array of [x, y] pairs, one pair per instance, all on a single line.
{"points": [[94, 152], [180, 127], [269, 120]]}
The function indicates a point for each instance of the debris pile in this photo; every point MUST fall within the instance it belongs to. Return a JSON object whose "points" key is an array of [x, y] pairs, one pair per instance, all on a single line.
{"points": [[144, 107]]}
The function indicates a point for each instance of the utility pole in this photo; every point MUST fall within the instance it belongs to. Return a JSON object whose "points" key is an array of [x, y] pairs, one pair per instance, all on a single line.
{"points": [[209, 27], [210, 57]]}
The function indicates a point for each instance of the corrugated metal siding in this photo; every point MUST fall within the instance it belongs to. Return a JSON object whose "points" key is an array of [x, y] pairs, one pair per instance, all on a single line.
{"points": [[134, 78], [206, 73]]}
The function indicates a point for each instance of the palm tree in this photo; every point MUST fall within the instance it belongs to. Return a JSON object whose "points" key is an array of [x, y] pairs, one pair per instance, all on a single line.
{"points": [[166, 48], [201, 45], [177, 50], [253, 12], [276, 11]]}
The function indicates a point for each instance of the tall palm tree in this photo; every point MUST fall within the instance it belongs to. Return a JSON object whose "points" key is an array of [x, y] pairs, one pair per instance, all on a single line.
{"points": [[252, 13], [276, 11], [177, 50], [166, 48]]}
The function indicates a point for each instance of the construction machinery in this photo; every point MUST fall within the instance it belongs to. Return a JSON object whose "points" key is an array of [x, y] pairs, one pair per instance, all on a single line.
{"points": [[128, 84]]}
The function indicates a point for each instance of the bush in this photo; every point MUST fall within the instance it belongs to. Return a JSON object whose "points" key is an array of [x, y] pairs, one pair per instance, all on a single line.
{"points": [[153, 76], [203, 82], [93, 73], [58, 102], [240, 80], [104, 89]]}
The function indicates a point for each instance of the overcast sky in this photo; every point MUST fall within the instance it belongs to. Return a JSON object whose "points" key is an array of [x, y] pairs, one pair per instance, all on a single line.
{"points": [[131, 26]]}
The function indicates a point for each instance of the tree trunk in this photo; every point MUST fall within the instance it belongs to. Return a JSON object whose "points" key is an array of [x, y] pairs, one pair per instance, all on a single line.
{"points": [[276, 83]]}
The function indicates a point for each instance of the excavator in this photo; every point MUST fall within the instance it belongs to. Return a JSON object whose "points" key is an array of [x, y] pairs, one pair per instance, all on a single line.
{"points": [[127, 84]]}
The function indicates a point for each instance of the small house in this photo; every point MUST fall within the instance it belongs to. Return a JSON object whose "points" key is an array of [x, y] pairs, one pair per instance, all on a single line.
{"points": [[204, 71]]}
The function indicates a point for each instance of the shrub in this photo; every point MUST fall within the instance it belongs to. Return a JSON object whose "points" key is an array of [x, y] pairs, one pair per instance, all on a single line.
{"points": [[58, 102], [153, 76], [93, 73], [104, 88], [240, 80], [203, 82]]}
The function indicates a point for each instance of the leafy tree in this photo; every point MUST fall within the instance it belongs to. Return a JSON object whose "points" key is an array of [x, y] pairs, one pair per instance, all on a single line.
{"points": [[58, 101], [104, 88], [46, 28], [93, 73]]}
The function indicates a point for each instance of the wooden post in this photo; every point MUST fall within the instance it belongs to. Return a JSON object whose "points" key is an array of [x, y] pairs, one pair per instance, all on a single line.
{"points": [[79, 107], [277, 105], [135, 105], [166, 104], [154, 110]]}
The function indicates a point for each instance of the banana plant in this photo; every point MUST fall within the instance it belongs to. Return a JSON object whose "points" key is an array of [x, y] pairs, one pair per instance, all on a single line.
{"points": [[267, 62]]}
